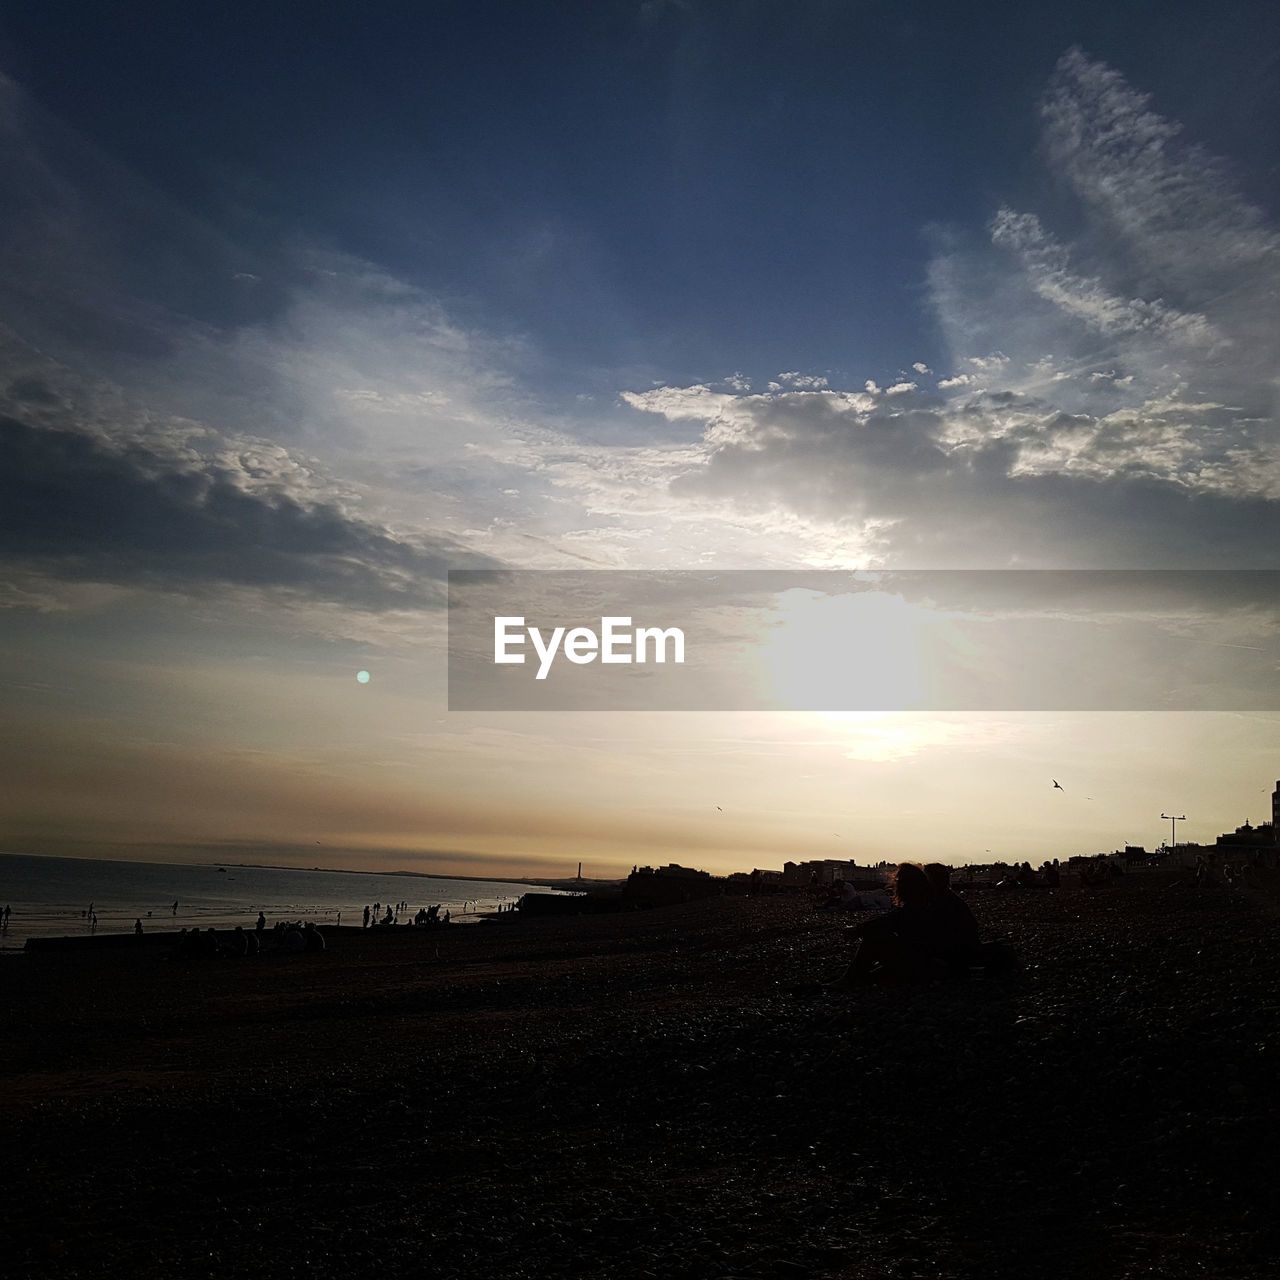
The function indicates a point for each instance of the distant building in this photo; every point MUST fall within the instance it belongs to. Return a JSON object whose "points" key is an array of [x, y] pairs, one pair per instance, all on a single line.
{"points": [[661, 886], [1249, 837], [826, 871]]}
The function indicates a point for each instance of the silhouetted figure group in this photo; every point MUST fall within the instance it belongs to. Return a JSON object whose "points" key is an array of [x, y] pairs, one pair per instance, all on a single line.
{"points": [[426, 917], [1021, 876], [929, 933], [286, 935], [1100, 871], [430, 917]]}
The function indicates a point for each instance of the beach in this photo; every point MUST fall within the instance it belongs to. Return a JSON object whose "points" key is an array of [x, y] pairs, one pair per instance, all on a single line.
{"points": [[642, 1095]]}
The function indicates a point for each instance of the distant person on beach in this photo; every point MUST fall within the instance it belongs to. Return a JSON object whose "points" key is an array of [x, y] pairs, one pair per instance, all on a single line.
{"points": [[262, 922], [389, 918], [239, 942], [366, 916], [175, 906], [137, 928]]}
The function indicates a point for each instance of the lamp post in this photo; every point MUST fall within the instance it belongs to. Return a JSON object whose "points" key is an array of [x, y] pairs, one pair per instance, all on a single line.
{"points": [[1173, 821]]}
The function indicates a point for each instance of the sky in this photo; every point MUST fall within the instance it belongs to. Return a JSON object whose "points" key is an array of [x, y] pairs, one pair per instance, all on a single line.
{"points": [[296, 317]]}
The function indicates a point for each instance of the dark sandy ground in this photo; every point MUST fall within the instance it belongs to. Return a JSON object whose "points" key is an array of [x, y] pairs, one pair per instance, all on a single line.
{"points": [[638, 1096]]}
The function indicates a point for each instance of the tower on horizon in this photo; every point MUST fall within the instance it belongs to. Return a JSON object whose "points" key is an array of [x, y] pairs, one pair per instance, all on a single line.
{"points": [[1275, 812]]}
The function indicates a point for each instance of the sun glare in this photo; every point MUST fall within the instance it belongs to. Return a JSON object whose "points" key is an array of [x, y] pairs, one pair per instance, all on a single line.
{"points": [[856, 651]]}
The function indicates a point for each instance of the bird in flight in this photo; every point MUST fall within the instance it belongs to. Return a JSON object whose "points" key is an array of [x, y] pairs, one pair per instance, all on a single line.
{"points": [[718, 807], [1058, 785]]}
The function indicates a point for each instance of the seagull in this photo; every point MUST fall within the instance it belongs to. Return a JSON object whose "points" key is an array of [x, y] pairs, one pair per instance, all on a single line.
{"points": [[719, 809], [1058, 785]]}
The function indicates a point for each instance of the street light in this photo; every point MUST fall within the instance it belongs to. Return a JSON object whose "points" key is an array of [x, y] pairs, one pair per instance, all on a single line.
{"points": [[1173, 821]]}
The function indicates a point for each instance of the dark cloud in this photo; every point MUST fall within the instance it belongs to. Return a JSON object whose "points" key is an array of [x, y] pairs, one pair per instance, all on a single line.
{"points": [[79, 506], [32, 391], [923, 503]]}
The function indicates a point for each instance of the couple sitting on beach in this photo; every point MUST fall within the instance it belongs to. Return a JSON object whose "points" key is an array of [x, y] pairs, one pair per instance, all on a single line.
{"points": [[929, 933]]}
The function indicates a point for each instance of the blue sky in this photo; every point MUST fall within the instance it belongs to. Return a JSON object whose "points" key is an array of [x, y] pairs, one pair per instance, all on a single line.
{"points": [[295, 315], [669, 191]]}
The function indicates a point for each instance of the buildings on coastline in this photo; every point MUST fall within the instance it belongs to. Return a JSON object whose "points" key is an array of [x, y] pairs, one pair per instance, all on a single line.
{"points": [[1258, 845], [654, 886], [659, 886]]}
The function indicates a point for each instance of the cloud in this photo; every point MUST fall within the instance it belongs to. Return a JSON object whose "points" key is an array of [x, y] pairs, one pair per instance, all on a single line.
{"points": [[802, 381], [1108, 400], [1174, 206], [1046, 265], [158, 513], [1117, 405]]}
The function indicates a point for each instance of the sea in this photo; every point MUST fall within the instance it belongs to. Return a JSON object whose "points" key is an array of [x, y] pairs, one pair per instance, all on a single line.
{"points": [[52, 897]]}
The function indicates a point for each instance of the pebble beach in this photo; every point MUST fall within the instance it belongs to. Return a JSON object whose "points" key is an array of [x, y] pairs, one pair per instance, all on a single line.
{"points": [[643, 1095]]}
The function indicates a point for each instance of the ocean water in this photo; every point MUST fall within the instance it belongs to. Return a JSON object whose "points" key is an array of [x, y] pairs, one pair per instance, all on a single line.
{"points": [[50, 896]]}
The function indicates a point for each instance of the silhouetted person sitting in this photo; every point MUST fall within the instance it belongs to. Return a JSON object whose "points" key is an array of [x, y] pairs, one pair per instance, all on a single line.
{"points": [[312, 938], [956, 940], [903, 944], [137, 928], [239, 943]]}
